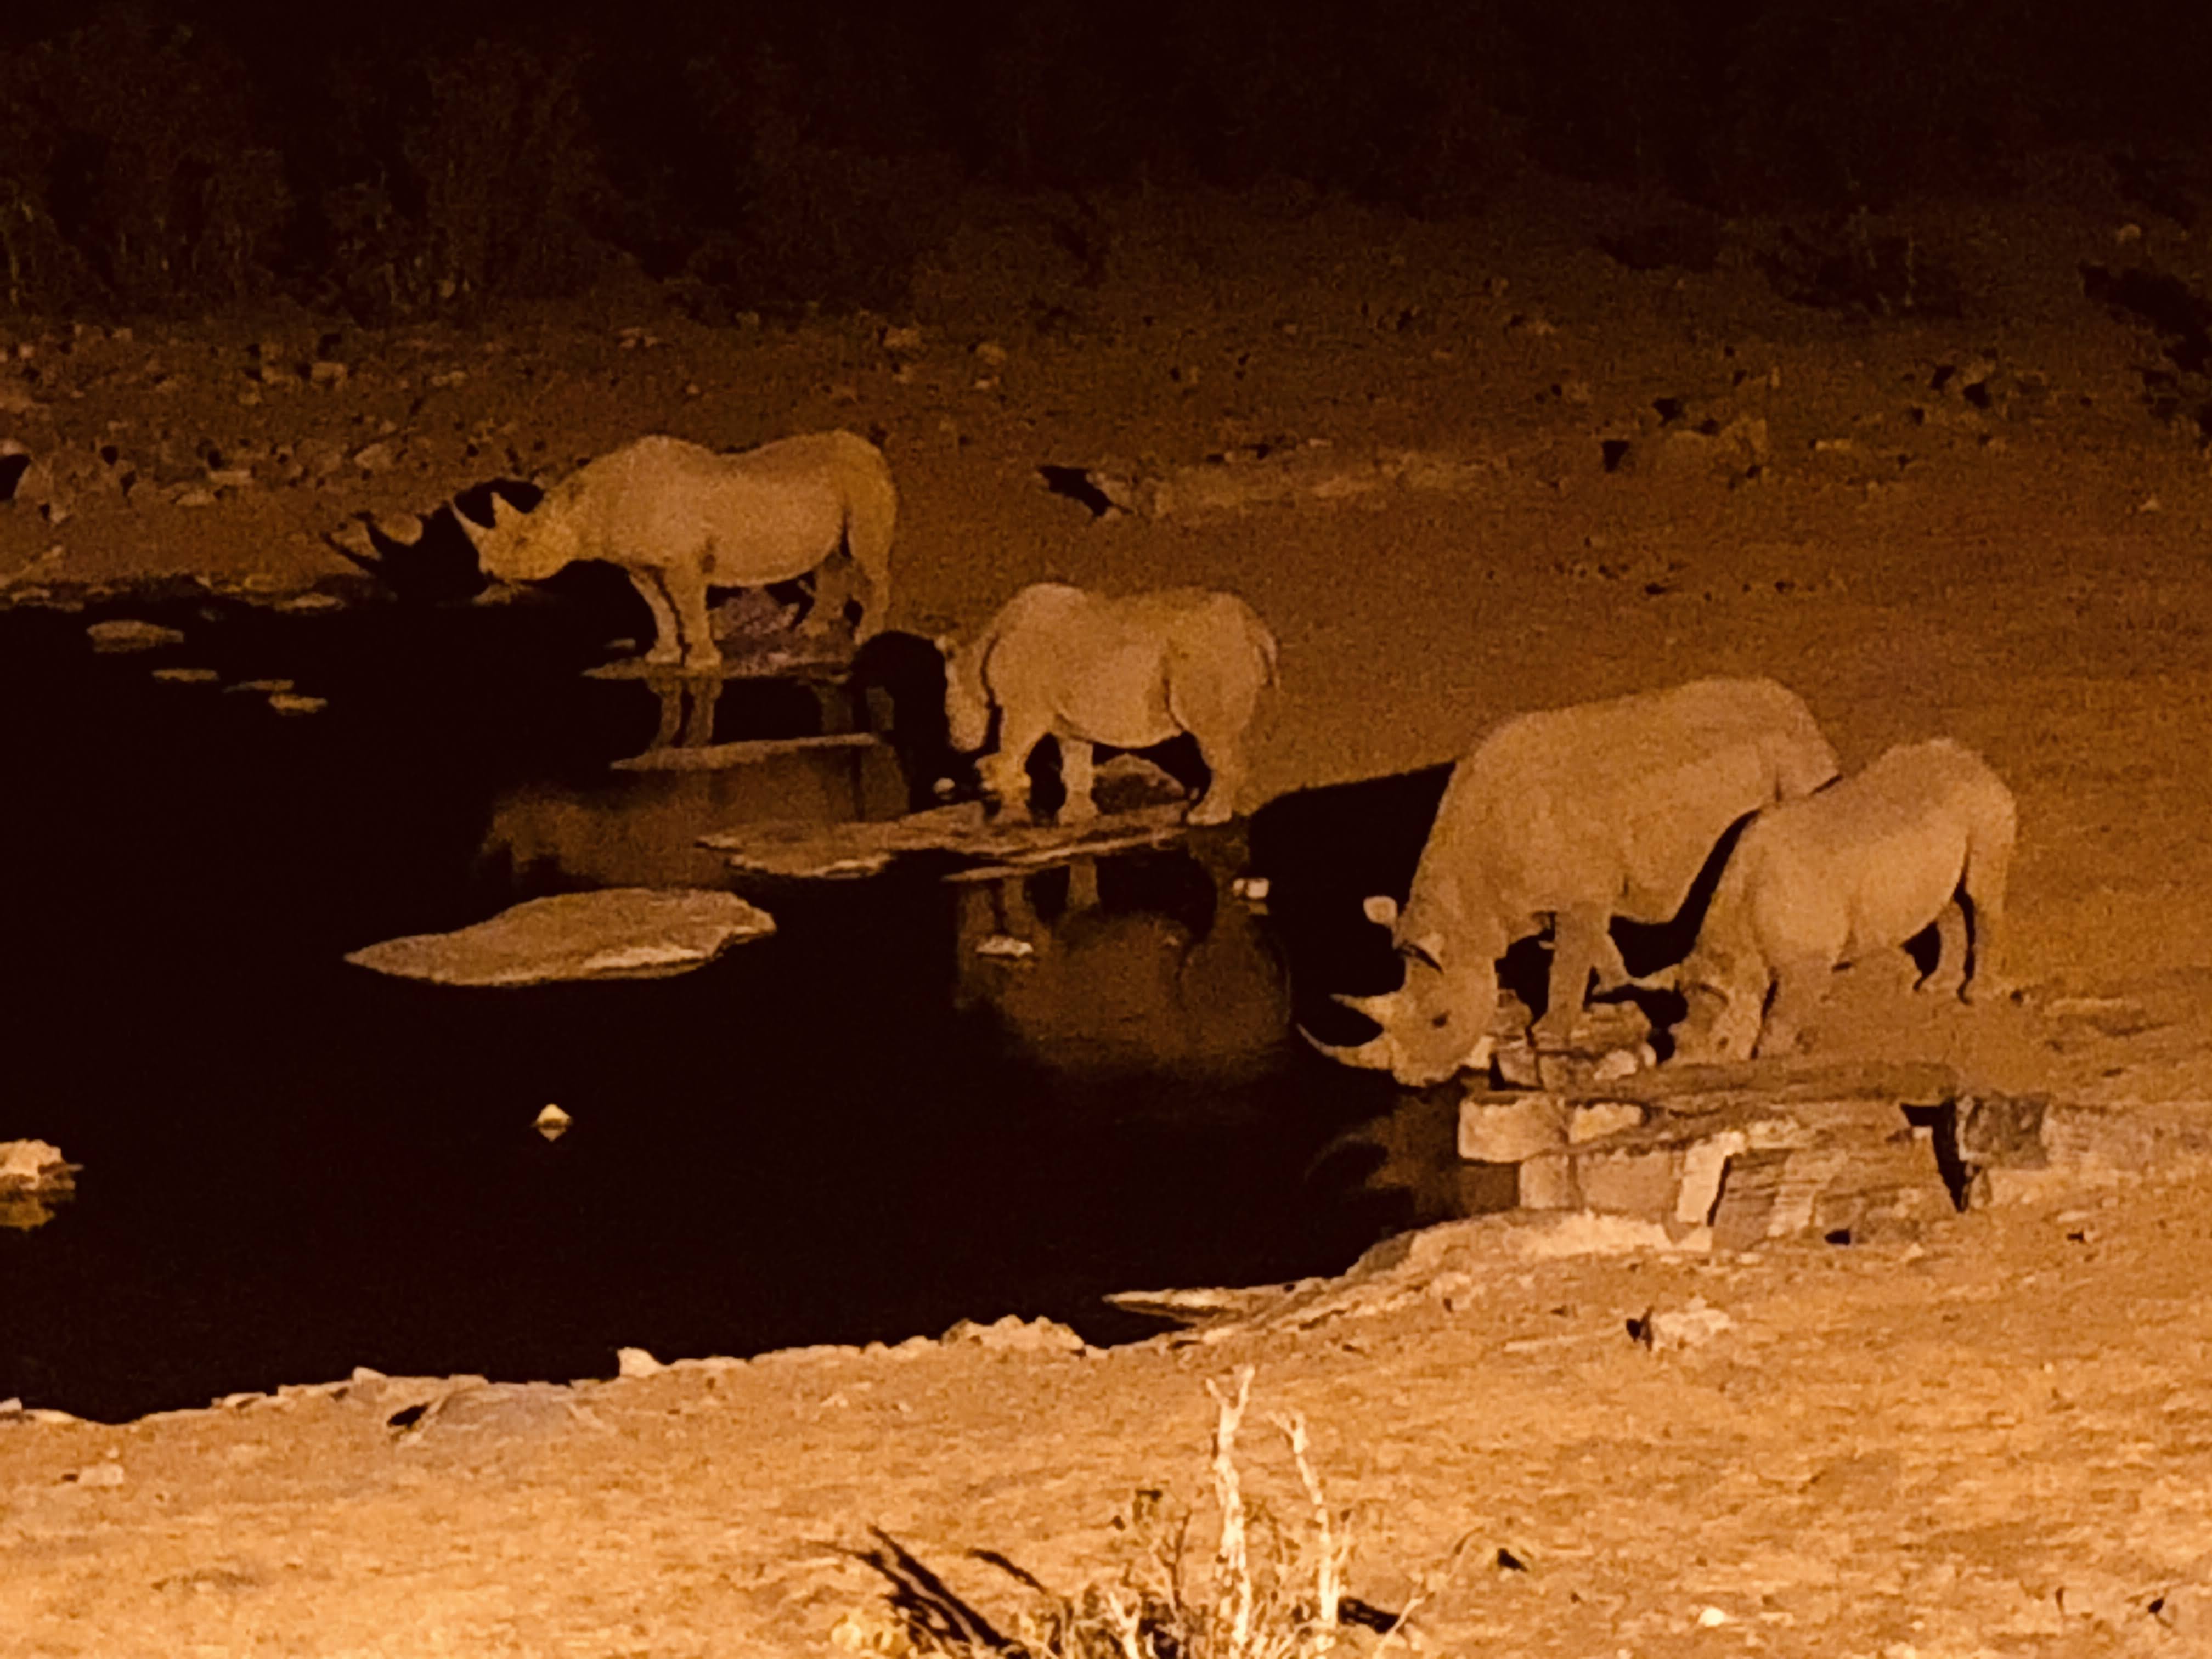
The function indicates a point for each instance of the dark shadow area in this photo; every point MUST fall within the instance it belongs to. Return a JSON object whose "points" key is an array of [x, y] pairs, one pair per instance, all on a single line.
{"points": [[1074, 482]]}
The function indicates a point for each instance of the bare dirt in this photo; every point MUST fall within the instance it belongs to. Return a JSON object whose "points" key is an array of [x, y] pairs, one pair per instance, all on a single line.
{"points": [[1981, 1435]]}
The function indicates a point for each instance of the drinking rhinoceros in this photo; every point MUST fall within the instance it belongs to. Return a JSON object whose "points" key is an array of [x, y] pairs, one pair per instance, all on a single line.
{"points": [[1859, 868], [1576, 814]]}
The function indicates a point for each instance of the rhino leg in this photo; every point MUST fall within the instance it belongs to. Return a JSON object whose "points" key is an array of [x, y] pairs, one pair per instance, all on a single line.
{"points": [[1224, 761], [1582, 944], [687, 593], [1005, 771], [1078, 769], [1989, 867], [667, 646], [1954, 950], [1800, 984]]}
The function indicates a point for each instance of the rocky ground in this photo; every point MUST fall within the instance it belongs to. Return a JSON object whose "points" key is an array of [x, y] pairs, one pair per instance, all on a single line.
{"points": [[1466, 470]]}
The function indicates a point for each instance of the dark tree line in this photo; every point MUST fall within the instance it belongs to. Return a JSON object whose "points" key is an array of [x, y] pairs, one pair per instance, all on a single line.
{"points": [[411, 156]]}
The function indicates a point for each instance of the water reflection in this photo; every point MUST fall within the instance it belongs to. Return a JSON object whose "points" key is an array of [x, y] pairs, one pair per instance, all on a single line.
{"points": [[1142, 964], [642, 829], [1407, 1159]]}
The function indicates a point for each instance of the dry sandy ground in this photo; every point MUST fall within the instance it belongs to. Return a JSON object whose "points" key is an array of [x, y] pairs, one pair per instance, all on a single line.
{"points": [[1980, 1435]]}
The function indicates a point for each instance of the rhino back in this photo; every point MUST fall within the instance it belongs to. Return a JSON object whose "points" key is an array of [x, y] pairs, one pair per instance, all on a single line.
{"points": [[1615, 803]]}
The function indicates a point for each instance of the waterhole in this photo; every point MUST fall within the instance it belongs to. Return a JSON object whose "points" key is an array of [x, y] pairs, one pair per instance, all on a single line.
{"points": [[860, 1128]]}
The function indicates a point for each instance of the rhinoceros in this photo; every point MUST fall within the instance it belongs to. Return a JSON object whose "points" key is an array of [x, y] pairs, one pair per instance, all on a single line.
{"points": [[1127, 672], [1576, 814], [678, 519], [1860, 867]]}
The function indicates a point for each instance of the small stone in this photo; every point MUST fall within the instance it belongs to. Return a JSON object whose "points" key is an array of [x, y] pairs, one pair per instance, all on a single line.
{"points": [[99, 1474], [187, 675], [902, 339], [552, 1123], [991, 353], [1006, 946], [193, 495], [299, 603], [637, 1362], [292, 703], [374, 458], [326, 372]]}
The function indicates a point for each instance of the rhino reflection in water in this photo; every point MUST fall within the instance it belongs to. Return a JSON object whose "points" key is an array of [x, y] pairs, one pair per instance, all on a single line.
{"points": [[1148, 967], [642, 829]]}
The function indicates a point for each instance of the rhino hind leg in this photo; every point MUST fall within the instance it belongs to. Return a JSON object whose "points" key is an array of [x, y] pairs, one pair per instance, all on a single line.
{"points": [[1982, 898], [1004, 770], [1954, 951], [1225, 766]]}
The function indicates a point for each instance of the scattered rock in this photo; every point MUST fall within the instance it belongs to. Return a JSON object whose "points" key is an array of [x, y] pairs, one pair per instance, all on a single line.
{"points": [[292, 703], [637, 1362], [1014, 1335], [128, 633], [187, 675], [1674, 1329], [621, 932], [1006, 945], [35, 1166], [552, 1123], [494, 1411]]}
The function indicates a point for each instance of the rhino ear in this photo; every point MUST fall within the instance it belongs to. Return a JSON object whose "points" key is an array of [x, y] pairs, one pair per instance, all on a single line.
{"points": [[1425, 950], [1381, 910]]}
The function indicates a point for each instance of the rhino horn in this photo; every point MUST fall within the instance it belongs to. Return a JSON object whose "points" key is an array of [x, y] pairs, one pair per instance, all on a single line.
{"points": [[1383, 1009], [505, 515], [1376, 1054]]}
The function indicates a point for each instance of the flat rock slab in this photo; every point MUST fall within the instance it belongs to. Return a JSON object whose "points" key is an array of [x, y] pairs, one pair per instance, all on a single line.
{"points": [[747, 751], [621, 933], [828, 851], [776, 662]]}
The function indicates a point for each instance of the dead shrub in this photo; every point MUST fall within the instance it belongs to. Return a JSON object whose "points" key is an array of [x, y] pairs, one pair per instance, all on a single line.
{"points": [[1270, 1589]]}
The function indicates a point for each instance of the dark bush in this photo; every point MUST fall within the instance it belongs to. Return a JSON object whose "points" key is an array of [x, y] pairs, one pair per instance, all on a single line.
{"points": [[422, 154]]}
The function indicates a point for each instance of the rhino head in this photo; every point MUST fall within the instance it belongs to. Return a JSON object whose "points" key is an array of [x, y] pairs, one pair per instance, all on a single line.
{"points": [[1438, 1022], [520, 546], [967, 699]]}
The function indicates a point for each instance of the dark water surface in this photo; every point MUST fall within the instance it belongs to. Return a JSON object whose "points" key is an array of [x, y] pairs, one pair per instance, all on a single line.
{"points": [[857, 1129]]}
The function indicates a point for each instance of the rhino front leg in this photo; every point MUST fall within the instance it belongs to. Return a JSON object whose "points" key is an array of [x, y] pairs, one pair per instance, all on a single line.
{"points": [[1582, 944], [687, 591], [1078, 772], [667, 646], [1799, 986]]}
